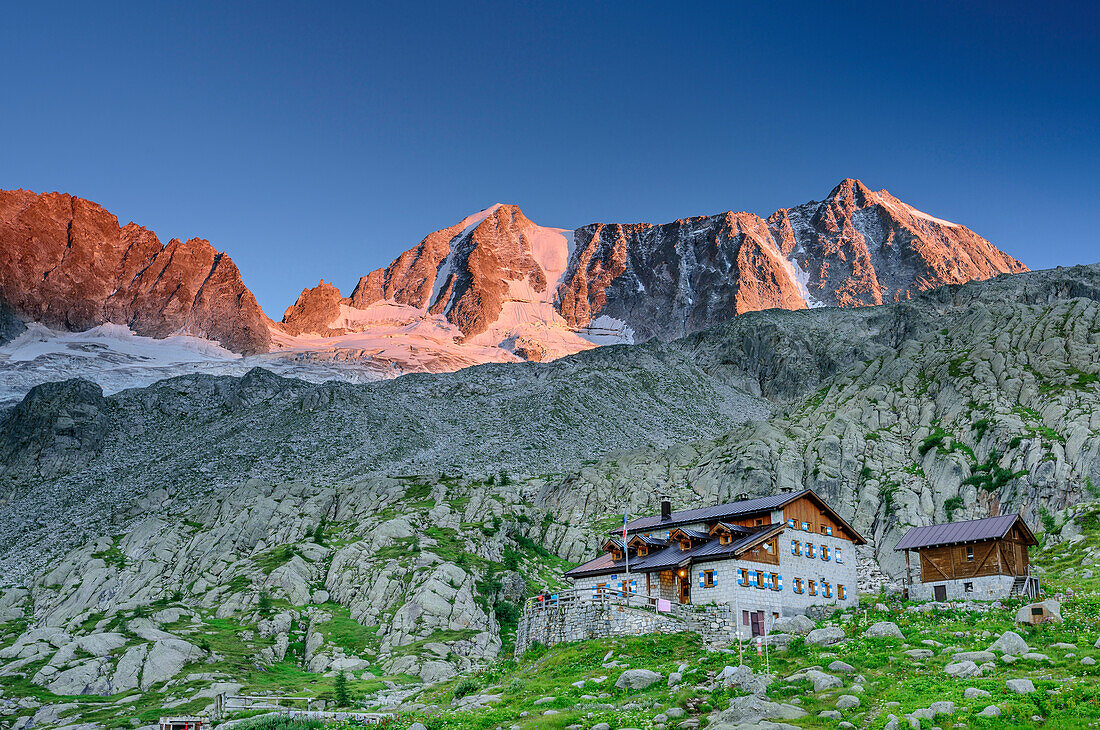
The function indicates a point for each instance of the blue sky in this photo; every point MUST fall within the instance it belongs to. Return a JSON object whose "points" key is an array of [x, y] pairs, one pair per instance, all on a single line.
{"points": [[318, 142]]}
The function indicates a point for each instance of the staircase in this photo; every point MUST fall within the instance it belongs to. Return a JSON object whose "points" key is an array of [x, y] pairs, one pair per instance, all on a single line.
{"points": [[1018, 586], [1025, 585]]}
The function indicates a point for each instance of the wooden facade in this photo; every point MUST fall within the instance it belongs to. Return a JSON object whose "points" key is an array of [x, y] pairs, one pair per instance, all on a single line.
{"points": [[1003, 556], [817, 520]]}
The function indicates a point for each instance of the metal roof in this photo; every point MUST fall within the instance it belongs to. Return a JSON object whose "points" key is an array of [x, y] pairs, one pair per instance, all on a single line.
{"points": [[672, 556], [952, 533], [737, 509], [717, 512]]}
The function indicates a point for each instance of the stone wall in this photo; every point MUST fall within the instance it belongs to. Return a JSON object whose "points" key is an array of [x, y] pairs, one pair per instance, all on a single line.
{"points": [[582, 620], [984, 588]]}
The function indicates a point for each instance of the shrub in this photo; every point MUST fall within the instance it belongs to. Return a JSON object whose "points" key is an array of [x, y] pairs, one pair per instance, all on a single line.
{"points": [[465, 686], [340, 690], [951, 506]]}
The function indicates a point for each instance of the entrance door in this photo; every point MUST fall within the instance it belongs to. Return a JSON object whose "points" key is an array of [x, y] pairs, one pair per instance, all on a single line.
{"points": [[685, 590], [940, 592], [757, 623]]}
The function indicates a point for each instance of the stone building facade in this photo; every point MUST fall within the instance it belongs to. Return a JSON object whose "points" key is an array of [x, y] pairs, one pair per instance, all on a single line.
{"points": [[760, 559]]}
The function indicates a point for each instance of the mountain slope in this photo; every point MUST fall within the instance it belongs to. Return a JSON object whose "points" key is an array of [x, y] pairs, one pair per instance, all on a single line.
{"points": [[194, 507]]}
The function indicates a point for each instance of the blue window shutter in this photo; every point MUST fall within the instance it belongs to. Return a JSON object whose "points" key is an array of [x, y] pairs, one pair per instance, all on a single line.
{"points": [[701, 579], [714, 577], [740, 578], [780, 587], [828, 530]]}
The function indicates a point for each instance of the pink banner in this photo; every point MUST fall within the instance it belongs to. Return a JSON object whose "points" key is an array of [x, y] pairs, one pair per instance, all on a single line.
{"points": [[663, 605]]}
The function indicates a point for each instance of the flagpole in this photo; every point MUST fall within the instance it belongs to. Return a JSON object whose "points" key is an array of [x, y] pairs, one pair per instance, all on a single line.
{"points": [[626, 559]]}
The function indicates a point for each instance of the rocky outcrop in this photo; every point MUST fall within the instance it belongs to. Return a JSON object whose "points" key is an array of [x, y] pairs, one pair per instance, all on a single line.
{"points": [[65, 262], [58, 427]]}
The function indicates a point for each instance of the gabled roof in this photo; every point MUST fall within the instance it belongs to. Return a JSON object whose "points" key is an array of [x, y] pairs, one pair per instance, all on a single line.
{"points": [[693, 534], [650, 542], [732, 529], [733, 510], [954, 533], [673, 557]]}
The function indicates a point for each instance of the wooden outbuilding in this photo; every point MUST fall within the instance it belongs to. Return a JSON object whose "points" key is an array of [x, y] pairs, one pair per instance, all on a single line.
{"points": [[985, 558]]}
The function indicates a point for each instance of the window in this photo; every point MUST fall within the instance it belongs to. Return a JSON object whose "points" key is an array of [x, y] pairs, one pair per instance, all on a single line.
{"points": [[968, 587], [838, 555], [724, 539], [841, 592], [777, 582], [825, 552], [642, 551], [826, 589], [791, 523], [809, 550], [823, 529], [617, 554], [759, 521], [759, 579], [742, 577], [745, 617], [797, 585], [970, 554], [709, 579], [685, 545], [794, 547], [813, 588], [806, 526], [769, 547]]}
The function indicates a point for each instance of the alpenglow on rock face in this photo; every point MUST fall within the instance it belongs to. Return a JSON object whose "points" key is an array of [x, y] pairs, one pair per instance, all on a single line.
{"points": [[494, 287], [502, 282], [65, 262]]}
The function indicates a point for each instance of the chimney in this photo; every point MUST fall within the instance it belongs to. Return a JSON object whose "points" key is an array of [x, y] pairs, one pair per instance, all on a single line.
{"points": [[666, 509]]}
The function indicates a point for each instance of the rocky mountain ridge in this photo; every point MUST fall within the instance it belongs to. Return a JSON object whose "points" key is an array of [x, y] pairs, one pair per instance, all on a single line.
{"points": [[494, 287]]}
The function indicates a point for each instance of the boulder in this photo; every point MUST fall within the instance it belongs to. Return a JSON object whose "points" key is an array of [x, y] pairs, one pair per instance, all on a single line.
{"points": [[974, 656], [840, 667], [1052, 608], [847, 702], [825, 637], [797, 625], [821, 680], [960, 670], [674, 678], [1020, 686], [973, 693], [990, 711], [884, 629], [166, 658], [1010, 643], [637, 679], [752, 709], [744, 678], [1088, 661], [918, 653], [829, 715]]}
